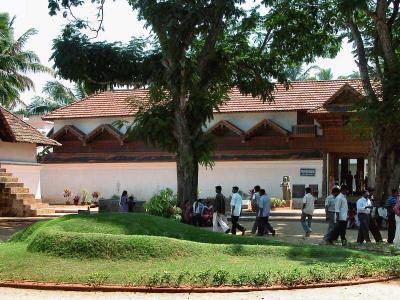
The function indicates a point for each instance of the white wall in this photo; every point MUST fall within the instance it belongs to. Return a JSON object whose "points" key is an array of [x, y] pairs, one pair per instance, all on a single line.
{"points": [[87, 125], [27, 173], [244, 121], [145, 179], [17, 152]]}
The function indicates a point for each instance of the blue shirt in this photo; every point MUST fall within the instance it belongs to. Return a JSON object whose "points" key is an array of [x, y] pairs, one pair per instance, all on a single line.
{"points": [[265, 205], [391, 201]]}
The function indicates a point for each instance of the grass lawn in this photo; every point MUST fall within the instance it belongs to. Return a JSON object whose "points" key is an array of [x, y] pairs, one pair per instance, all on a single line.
{"points": [[139, 249]]}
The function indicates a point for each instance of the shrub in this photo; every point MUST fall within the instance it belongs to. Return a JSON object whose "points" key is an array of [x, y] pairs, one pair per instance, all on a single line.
{"points": [[276, 202], [164, 204], [97, 278], [220, 277]]}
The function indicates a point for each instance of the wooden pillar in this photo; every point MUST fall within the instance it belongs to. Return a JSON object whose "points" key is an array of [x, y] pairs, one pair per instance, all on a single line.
{"points": [[371, 171], [325, 175], [344, 170], [359, 176]]}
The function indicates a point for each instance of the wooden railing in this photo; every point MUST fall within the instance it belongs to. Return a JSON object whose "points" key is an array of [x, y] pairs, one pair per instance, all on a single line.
{"points": [[304, 130]]}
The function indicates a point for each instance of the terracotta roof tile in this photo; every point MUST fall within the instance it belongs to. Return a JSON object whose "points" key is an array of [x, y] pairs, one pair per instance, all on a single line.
{"points": [[301, 95], [19, 131]]}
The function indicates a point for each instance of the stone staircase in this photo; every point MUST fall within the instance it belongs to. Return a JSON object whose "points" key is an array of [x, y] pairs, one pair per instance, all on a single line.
{"points": [[17, 201]]}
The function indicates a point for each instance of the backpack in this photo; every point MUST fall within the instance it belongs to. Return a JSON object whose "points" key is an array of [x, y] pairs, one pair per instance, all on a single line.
{"points": [[396, 208]]}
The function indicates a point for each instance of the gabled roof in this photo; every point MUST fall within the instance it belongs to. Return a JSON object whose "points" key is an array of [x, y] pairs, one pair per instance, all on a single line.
{"points": [[70, 128], [267, 123], [231, 127], [301, 95], [108, 128], [15, 130], [335, 102]]}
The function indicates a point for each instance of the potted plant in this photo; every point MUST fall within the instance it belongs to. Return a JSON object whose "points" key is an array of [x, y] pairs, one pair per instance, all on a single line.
{"points": [[85, 197], [95, 197], [76, 200], [67, 196]]}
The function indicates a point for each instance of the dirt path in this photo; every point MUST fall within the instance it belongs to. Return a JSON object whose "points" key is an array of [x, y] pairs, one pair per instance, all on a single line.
{"points": [[376, 291]]}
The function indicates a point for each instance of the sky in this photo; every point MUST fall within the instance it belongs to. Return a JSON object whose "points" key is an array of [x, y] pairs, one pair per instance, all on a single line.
{"points": [[120, 24]]}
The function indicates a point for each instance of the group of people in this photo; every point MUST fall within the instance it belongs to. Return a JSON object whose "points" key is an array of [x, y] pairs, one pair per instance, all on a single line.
{"points": [[261, 205], [337, 216], [126, 204]]}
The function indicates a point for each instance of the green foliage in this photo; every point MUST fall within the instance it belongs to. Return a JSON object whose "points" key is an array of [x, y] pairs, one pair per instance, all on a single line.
{"points": [[15, 63], [139, 249], [277, 202], [164, 204]]}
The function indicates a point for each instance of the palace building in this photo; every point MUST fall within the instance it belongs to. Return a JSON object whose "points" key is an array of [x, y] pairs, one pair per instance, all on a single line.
{"points": [[302, 134]]}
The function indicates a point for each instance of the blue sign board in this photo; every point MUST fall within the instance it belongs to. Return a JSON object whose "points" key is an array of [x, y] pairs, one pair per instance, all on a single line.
{"points": [[307, 172]]}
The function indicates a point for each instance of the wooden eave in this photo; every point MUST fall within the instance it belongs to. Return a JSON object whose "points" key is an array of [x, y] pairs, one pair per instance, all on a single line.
{"points": [[269, 123], [70, 128], [105, 127], [223, 123]]}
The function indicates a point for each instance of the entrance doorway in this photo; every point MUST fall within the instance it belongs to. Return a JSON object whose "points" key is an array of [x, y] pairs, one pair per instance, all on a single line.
{"points": [[350, 170]]}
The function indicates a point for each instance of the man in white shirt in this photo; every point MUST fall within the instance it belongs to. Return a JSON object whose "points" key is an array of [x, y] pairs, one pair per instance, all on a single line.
{"points": [[307, 211], [255, 204], [341, 208], [330, 210], [236, 205], [364, 206]]}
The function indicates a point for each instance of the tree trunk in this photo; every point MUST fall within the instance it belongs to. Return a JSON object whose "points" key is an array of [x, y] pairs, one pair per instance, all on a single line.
{"points": [[386, 148], [186, 161]]}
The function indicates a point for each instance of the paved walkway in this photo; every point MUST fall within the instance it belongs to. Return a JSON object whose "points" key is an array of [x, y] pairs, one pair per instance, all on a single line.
{"points": [[375, 291]]}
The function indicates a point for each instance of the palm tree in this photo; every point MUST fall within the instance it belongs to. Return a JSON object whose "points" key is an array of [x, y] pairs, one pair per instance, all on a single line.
{"points": [[15, 62], [56, 95], [325, 74], [297, 72]]}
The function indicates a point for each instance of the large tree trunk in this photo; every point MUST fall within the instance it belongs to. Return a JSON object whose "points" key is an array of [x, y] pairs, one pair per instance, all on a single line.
{"points": [[186, 161], [386, 148]]}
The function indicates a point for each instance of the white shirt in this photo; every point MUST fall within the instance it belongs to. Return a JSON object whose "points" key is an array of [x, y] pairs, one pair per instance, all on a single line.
{"points": [[361, 204], [341, 207], [308, 200], [236, 202], [330, 203]]}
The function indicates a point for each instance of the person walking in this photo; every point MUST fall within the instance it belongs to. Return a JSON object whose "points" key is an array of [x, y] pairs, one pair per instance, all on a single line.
{"points": [[219, 211], [236, 206], [197, 212], [391, 216], [396, 209], [123, 202], [364, 207], [255, 205], [264, 210], [307, 211], [330, 210], [341, 209]]}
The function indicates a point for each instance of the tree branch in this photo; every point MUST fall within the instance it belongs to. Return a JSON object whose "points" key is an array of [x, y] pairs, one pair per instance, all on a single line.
{"points": [[362, 60]]}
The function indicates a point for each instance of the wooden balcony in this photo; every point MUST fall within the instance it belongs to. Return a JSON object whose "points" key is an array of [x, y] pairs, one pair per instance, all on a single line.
{"points": [[304, 130]]}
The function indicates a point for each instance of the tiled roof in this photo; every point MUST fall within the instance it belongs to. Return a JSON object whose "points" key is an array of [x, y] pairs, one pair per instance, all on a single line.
{"points": [[18, 131], [301, 95]]}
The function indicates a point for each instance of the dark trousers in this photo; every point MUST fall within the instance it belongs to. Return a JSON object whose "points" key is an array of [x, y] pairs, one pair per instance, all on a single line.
{"points": [[196, 219], [391, 226], [363, 231], [339, 230], [255, 225], [236, 225], [264, 226], [374, 228]]}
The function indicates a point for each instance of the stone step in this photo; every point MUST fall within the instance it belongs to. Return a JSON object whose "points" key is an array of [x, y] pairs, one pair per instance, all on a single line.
{"points": [[5, 174], [22, 196], [16, 189], [8, 179], [42, 211], [10, 184]]}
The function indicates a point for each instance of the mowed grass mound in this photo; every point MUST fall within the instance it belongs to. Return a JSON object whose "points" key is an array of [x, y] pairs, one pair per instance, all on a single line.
{"points": [[139, 249], [142, 236]]}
